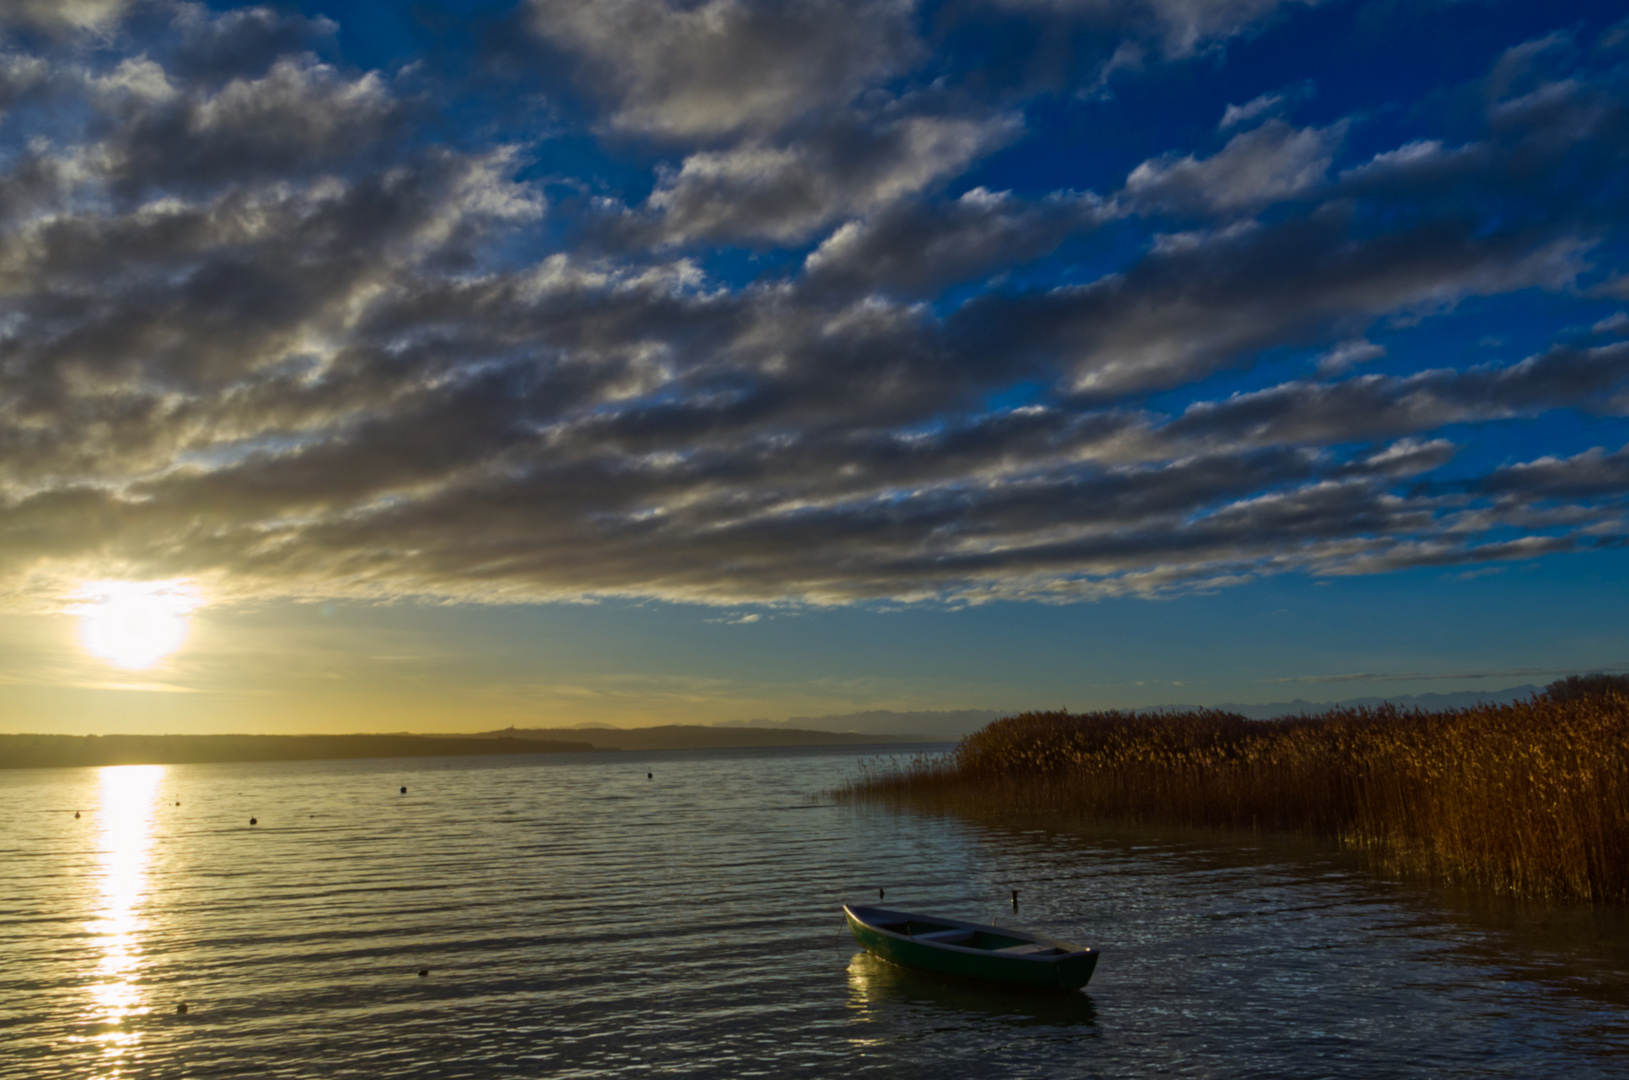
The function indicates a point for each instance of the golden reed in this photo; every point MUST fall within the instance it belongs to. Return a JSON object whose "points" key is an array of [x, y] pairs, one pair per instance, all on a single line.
{"points": [[1530, 798]]}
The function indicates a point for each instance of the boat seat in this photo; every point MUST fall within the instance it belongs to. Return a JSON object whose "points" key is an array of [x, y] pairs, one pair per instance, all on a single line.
{"points": [[947, 937], [1029, 948]]}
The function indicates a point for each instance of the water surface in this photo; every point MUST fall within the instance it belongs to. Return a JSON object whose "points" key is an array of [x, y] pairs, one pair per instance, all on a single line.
{"points": [[579, 919]]}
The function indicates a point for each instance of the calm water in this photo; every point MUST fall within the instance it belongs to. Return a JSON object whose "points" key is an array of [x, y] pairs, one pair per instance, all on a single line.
{"points": [[578, 919]]}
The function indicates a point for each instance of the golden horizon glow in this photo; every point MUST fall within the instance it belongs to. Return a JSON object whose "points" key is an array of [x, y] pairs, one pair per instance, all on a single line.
{"points": [[132, 624], [125, 816]]}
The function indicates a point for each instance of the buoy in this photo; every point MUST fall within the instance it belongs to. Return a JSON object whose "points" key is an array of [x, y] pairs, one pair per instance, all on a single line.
{"points": [[423, 972], [254, 821], [650, 776], [404, 789], [879, 894], [1015, 899], [181, 1008], [76, 815]]}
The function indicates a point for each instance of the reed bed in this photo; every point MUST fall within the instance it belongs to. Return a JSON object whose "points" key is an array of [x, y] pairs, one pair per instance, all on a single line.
{"points": [[1530, 798]]}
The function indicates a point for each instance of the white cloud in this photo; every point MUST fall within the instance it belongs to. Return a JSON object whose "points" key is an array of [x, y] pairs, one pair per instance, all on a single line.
{"points": [[63, 14], [1269, 164], [783, 193], [1349, 354], [727, 66]]}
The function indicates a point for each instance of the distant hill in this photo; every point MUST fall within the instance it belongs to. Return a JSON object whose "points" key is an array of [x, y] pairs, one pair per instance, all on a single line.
{"points": [[699, 737], [879, 726], [950, 723], [55, 751], [954, 723]]}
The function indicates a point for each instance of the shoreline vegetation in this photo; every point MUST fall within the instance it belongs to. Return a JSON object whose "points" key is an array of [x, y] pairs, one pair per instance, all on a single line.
{"points": [[1529, 799]]}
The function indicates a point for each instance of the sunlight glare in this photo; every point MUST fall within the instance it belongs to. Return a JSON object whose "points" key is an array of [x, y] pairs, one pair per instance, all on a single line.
{"points": [[133, 624], [125, 816]]}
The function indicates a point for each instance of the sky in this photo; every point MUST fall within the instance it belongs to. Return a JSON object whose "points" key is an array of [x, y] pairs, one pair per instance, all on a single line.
{"points": [[459, 364]]}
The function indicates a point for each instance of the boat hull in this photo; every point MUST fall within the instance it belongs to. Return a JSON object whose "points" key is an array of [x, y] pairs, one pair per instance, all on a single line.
{"points": [[1070, 969]]}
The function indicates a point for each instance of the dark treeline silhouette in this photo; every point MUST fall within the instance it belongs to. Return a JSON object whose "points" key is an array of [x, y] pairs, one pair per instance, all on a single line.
{"points": [[1530, 798], [1578, 687]]}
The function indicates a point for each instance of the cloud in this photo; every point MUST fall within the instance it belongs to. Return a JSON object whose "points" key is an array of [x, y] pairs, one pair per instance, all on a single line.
{"points": [[219, 46], [1183, 313], [1616, 323], [19, 74], [726, 67], [1180, 27], [1262, 105], [1590, 475], [1348, 354], [1234, 115], [1380, 406], [782, 194], [62, 15], [1269, 164], [298, 117], [915, 249], [286, 327]]}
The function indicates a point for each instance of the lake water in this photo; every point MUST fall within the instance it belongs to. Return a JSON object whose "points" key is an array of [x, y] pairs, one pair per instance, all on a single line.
{"points": [[578, 919]]}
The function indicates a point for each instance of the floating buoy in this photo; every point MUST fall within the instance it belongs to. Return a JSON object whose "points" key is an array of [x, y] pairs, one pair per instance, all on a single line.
{"points": [[879, 894], [404, 789], [254, 821], [650, 776], [181, 1008], [1015, 899], [423, 972], [76, 815]]}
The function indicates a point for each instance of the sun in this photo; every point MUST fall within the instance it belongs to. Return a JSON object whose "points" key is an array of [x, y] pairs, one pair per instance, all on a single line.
{"points": [[133, 624]]}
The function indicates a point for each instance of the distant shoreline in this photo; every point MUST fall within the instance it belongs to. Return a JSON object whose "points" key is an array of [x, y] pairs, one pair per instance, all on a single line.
{"points": [[69, 751], [709, 737], [27, 751]]}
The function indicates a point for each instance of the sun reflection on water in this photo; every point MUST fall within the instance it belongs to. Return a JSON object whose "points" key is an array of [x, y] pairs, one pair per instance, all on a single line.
{"points": [[125, 816]]}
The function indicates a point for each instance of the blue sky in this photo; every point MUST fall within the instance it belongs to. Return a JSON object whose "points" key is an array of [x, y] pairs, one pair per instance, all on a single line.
{"points": [[451, 365]]}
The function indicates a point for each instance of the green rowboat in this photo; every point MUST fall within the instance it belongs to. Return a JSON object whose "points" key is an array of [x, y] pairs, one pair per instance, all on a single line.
{"points": [[967, 950]]}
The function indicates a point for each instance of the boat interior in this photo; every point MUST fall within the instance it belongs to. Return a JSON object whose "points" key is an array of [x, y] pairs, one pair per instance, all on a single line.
{"points": [[941, 934]]}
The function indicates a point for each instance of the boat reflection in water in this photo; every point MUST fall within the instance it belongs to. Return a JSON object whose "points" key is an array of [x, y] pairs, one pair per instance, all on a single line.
{"points": [[884, 993], [125, 819]]}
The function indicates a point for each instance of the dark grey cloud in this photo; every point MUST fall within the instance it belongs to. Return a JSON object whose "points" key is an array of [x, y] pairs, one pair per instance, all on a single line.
{"points": [[20, 74], [1205, 301], [240, 43], [299, 117], [1371, 407], [1593, 474], [915, 248]]}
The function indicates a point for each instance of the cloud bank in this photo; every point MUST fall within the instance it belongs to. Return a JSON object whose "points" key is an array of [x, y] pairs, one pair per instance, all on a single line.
{"points": [[291, 327]]}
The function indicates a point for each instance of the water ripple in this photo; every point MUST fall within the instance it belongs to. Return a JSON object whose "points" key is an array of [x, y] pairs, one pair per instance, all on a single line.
{"points": [[577, 920]]}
